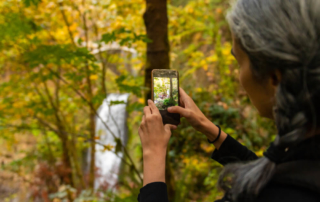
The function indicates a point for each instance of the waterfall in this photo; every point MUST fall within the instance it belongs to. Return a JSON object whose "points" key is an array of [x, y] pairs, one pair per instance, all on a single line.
{"points": [[107, 162]]}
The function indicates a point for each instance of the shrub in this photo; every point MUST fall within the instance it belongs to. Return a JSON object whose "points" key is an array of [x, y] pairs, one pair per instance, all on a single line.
{"points": [[168, 103]]}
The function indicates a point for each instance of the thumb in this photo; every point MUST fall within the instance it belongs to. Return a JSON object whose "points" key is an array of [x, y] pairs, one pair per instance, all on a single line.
{"points": [[179, 110], [169, 127]]}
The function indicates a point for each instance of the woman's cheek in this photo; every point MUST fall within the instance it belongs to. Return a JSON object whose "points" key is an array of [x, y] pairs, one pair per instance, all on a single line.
{"points": [[249, 85]]}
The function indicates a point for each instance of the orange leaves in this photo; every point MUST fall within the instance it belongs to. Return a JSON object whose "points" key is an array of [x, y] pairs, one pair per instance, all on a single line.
{"points": [[208, 148]]}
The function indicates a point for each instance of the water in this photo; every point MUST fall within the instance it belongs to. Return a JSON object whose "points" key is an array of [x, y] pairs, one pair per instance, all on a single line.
{"points": [[107, 162]]}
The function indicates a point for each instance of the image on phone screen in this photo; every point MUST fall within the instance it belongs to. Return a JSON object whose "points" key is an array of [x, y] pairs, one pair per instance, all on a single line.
{"points": [[166, 93]]}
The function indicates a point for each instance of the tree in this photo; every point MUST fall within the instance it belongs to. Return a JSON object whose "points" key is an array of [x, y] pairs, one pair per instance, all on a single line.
{"points": [[156, 22]]}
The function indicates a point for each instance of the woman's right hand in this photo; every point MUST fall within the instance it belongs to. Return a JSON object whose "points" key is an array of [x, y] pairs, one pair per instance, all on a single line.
{"points": [[197, 119], [190, 111]]}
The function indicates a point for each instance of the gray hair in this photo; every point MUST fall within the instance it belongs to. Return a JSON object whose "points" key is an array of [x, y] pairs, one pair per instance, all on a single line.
{"points": [[281, 35]]}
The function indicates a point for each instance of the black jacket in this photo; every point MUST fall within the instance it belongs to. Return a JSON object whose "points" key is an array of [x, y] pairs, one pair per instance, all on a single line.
{"points": [[297, 177]]}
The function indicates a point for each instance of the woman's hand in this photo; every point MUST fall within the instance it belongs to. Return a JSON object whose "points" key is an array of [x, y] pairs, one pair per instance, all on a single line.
{"points": [[190, 111], [154, 138], [197, 119]]}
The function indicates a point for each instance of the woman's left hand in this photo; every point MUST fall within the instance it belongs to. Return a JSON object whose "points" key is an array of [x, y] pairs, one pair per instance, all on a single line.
{"points": [[154, 138]]}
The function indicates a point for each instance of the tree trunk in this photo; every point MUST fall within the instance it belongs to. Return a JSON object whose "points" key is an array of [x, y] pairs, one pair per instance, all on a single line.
{"points": [[171, 94], [66, 170], [156, 22]]}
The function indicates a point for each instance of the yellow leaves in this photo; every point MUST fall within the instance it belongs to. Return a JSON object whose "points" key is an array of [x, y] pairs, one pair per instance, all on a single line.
{"points": [[175, 23], [226, 51], [18, 104], [205, 67], [119, 22], [107, 148], [226, 48], [203, 62], [194, 163], [93, 77], [207, 147], [230, 59], [73, 27], [194, 64], [259, 153], [141, 100], [113, 7], [197, 54], [189, 9], [212, 58], [186, 161]]}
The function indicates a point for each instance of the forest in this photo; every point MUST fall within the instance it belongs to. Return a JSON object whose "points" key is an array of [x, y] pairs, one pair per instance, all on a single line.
{"points": [[75, 76]]}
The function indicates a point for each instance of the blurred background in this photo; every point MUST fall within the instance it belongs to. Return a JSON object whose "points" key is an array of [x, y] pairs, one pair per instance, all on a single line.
{"points": [[75, 75]]}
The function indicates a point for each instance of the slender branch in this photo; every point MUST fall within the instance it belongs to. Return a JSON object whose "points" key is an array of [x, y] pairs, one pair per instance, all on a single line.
{"points": [[57, 82]]}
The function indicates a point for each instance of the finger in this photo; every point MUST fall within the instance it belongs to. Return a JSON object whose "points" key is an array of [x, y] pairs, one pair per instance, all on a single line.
{"points": [[147, 111], [153, 107], [170, 127], [179, 110], [183, 97], [182, 92], [143, 121], [140, 132]]}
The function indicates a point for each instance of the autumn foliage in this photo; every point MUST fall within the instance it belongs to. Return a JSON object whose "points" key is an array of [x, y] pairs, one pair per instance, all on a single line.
{"points": [[60, 59]]}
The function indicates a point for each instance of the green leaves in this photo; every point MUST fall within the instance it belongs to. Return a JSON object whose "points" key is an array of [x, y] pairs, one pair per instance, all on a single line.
{"points": [[118, 145], [129, 84], [116, 102], [124, 37], [28, 3], [58, 54], [15, 26]]}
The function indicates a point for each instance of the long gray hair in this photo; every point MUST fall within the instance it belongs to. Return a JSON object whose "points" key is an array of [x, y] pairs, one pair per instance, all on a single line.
{"points": [[281, 35]]}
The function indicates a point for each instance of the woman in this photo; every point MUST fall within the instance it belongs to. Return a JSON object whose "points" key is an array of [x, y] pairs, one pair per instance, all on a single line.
{"points": [[277, 46]]}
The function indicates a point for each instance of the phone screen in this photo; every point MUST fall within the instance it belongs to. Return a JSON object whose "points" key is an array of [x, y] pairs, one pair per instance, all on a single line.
{"points": [[166, 93]]}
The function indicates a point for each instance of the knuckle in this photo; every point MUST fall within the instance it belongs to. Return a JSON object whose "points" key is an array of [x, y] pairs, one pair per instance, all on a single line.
{"points": [[157, 117], [188, 113], [149, 119]]}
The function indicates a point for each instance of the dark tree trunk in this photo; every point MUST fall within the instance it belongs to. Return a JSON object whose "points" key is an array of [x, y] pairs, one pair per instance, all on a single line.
{"points": [[171, 95], [156, 22]]}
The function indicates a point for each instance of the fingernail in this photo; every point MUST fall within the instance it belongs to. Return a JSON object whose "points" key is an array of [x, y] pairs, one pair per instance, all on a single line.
{"points": [[149, 101], [169, 108]]}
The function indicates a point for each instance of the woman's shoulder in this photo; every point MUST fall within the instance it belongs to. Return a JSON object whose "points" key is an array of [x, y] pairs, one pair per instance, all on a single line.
{"points": [[294, 181], [278, 192]]}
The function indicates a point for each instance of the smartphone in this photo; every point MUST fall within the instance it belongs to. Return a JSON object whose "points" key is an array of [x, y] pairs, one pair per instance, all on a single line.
{"points": [[165, 93]]}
